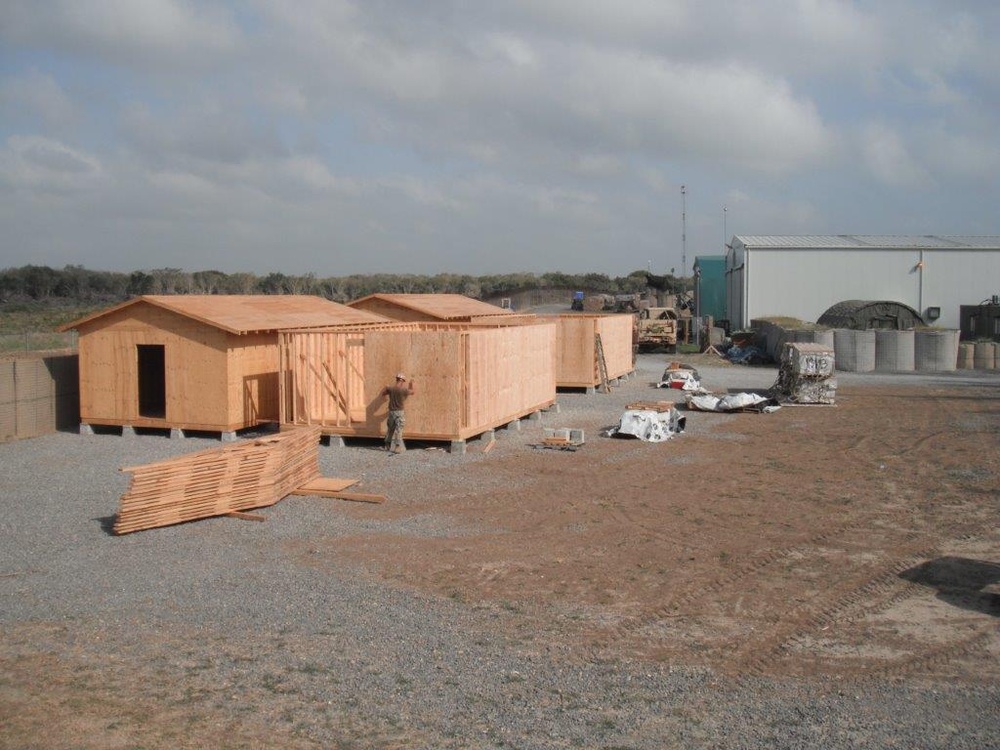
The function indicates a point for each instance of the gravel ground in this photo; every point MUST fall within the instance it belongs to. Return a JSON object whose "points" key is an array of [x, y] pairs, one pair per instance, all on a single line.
{"points": [[261, 637]]}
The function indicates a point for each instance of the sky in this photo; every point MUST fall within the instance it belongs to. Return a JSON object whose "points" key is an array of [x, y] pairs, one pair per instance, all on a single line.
{"points": [[486, 137]]}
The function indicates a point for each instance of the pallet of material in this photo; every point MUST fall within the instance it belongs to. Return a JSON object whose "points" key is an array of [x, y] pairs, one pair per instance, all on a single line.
{"points": [[220, 481], [657, 406]]}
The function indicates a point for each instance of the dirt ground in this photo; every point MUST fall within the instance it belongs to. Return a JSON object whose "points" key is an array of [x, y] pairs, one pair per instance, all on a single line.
{"points": [[857, 541], [847, 540]]}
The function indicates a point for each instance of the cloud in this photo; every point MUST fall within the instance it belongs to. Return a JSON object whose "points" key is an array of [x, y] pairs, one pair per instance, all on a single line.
{"points": [[147, 33], [44, 165], [392, 135], [887, 157], [35, 98]]}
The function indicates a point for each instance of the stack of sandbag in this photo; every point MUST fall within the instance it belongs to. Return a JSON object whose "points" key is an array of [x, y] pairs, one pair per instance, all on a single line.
{"points": [[806, 374]]}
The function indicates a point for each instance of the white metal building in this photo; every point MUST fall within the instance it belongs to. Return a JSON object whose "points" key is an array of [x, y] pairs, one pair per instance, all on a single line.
{"points": [[801, 276]]}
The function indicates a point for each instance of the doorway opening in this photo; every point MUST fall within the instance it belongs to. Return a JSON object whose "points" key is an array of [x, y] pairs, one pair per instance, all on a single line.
{"points": [[152, 381]]}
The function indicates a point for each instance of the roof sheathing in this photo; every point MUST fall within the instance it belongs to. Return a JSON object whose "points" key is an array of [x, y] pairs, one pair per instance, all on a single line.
{"points": [[242, 314], [441, 306]]}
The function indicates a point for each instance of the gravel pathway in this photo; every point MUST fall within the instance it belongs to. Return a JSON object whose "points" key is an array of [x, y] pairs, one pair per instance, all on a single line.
{"points": [[226, 618]]}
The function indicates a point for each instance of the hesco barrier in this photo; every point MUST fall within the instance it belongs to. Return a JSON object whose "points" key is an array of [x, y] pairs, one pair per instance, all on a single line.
{"points": [[936, 351], [966, 355], [39, 394], [854, 351], [823, 336], [984, 356], [894, 351]]}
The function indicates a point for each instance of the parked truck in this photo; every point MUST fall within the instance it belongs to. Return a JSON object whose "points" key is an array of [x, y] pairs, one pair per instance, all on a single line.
{"points": [[656, 328]]}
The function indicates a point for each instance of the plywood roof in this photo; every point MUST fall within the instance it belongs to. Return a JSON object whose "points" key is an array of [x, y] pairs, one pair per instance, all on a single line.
{"points": [[246, 313], [440, 306]]}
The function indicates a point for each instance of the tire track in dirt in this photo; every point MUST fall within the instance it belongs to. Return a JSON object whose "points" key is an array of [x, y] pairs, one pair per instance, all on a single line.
{"points": [[871, 589], [632, 625], [977, 641], [760, 656]]}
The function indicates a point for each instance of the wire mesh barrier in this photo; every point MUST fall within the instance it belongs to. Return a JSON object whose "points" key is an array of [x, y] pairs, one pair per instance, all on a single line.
{"points": [[37, 341], [39, 394]]}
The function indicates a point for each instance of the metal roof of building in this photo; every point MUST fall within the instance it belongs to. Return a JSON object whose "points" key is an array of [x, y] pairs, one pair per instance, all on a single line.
{"points": [[872, 241], [244, 313]]}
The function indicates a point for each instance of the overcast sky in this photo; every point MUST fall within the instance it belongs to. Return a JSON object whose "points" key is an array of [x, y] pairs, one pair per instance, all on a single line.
{"points": [[339, 137]]}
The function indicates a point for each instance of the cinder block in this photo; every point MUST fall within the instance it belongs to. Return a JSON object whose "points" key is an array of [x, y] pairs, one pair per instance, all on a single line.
{"points": [[176, 433], [457, 447], [557, 433], [575, 435], [228, 437], [334, 441], [514, 426]]}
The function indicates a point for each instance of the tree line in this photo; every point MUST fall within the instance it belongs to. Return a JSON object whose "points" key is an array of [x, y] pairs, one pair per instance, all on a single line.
{"points": [[76, 284]]}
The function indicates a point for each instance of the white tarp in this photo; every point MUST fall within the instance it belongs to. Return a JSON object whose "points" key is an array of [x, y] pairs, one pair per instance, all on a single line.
{"points": [[729, 402], [650, 426], [681, 379]]}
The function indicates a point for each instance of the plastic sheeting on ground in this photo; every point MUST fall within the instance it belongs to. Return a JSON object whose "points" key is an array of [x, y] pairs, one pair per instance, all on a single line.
{"points": [[683, 379], [731, 402], [746, 355], [649, 426]]}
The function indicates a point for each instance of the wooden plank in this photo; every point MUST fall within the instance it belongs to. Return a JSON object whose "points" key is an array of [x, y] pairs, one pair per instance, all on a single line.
{"points": [[657, 406], [360, 497], [324, 486], [244, 516]]}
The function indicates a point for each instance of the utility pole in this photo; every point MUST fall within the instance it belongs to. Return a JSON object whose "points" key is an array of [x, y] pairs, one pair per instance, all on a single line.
{"points": [[725, 234], [684, 257]]}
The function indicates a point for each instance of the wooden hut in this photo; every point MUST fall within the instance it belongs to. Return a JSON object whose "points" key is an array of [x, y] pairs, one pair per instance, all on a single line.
{"points": [[577, 353], [199, 362], [469, 378], [443, 308]]}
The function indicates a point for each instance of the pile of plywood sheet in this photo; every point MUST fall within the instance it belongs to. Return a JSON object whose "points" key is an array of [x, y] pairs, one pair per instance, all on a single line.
{"points": [[223, 481], [806, 374], [468, 378]]}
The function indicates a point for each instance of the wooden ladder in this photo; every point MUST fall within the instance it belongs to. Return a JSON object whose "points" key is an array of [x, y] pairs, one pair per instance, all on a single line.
{"points": [[602, 364]]}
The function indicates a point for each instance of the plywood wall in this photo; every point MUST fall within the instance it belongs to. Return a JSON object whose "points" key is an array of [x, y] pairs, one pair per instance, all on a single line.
{"points": [[576, 357], [617, 337], [467, 379], [252, 365]]}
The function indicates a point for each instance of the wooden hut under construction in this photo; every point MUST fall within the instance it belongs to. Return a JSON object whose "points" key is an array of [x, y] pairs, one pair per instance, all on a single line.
{"points": [[577, 361], [197, 362], [469, 378], [581, 342]]}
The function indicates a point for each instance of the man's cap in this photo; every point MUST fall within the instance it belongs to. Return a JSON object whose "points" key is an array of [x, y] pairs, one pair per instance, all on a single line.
{"points": [[400, 376]]}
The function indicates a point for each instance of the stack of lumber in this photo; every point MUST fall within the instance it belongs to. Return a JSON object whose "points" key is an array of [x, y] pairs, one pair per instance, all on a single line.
{"points": [[806, 374], [219, 481]]}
